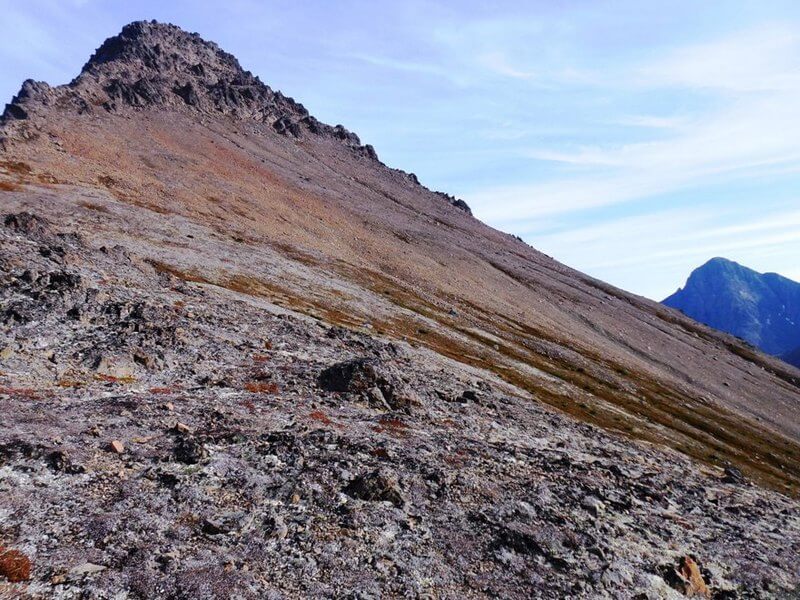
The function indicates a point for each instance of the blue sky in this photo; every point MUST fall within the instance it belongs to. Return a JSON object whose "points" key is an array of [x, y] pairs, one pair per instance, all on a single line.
{"points": [[633, 140]]}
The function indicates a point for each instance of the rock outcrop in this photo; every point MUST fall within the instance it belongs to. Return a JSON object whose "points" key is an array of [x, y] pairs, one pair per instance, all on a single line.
{"points": [[155, 65]]}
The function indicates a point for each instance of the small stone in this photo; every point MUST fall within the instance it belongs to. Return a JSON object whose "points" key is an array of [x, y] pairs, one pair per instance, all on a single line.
{"points": [[168, 406], [57, 460], [593, 505], [116, 447], [182, 428], [276, 526], [733, 475], [377, 486], [223, 524], [295, 499], [190, 451], [687, 578], [6, 353], [695, 584], [376, 398], [86, 568]]}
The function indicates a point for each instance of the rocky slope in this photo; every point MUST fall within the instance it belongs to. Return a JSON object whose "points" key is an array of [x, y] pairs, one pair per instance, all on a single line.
{"points": [[763, 309], [245, 358]]}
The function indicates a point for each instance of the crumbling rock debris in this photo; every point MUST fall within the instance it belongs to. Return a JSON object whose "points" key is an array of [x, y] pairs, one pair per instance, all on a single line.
{"points": [[190, 450], [377, 486], [687, 578], [355, 497], [27, 224]]}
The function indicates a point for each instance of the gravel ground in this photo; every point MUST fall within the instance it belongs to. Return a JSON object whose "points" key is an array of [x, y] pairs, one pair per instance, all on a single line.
{"points": [[170, 439]]}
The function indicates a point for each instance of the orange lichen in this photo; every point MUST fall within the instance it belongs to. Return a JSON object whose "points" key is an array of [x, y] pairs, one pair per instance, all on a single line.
{"points": [[14, 565], [22, 393], [261, 387], [320, 416]]}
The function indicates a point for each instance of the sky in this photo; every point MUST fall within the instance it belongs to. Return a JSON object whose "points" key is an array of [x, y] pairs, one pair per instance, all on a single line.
{"points": [[630, 139]]}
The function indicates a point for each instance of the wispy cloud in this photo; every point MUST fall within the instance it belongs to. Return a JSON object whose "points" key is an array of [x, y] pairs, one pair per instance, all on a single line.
{"points": [[671, 242], [739, 137]]}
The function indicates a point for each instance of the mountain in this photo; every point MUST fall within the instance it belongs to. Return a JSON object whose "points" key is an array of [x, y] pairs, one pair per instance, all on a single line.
{"points": [[763, 309], [242, 356], [793, 357]]}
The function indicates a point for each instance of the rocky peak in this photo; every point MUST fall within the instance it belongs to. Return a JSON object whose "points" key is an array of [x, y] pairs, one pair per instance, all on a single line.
{"points": [[162, 48], [157, 65], [152, 65], [763, 309]]}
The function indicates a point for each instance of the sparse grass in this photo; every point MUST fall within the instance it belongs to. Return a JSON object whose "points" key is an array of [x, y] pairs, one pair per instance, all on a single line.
{"points": [[8, 186], [161, 267], [47, 178], [392, 426], [95, 207], [652, 412], [262, 387], [113, 379], [320, 416], [164, 390], [16, 167]]}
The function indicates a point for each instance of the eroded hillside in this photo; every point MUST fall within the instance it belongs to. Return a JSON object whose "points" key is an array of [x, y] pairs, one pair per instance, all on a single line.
{"points": [[183, 185]]}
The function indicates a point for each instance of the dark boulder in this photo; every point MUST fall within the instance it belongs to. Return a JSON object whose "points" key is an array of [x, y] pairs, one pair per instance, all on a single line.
{"points": [[377, 486]]}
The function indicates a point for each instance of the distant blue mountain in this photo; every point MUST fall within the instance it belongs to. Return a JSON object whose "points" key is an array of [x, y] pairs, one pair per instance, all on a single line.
{"points": [[763, 309], [793, 357]]}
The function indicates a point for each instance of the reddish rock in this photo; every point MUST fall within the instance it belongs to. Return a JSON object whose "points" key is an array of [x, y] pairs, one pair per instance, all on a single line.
{"points": [[14, 565], [695, 585]]}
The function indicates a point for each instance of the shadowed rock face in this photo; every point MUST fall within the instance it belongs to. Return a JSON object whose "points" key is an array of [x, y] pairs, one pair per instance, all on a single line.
{"points": [[241, 361], [793, 357], [761, 309]]}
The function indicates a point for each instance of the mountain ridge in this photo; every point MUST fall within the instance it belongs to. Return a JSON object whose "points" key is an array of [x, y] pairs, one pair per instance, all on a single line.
{"points": [[244, 362], [285, 195], [156, 64]]}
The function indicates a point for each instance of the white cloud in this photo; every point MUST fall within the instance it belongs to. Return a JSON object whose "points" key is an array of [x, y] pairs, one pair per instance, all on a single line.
{"points": [[746, 133], [498, 63], [653, 253], [765, 58]]}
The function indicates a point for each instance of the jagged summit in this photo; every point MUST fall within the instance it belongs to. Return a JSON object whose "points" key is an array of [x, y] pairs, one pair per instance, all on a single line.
{"points": [[151, 64], [160, 47], [159, 65]]}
